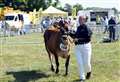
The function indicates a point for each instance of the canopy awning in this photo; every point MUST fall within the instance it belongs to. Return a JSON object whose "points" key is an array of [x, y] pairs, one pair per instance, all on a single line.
{"points": [[54, 11]]}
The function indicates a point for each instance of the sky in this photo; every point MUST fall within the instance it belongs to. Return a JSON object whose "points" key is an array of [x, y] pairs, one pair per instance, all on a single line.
{"points": [[94, 3]]}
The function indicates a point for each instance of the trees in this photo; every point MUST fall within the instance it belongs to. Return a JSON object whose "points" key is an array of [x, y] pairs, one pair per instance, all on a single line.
{"points": [[55, 3], [78, 7], [27, 5], [68, 8], [36, 4], [31, 4]]}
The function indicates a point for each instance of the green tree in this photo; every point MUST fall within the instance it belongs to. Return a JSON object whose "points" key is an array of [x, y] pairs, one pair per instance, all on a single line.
{"points": [[33, 4], [68, 8], [36, 4], [55, 3], [78, 7]]}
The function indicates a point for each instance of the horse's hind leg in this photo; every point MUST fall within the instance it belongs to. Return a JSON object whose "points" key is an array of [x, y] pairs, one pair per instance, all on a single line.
{"points": [[57, 64], [67, 64], [51, 60], [52, 66]]}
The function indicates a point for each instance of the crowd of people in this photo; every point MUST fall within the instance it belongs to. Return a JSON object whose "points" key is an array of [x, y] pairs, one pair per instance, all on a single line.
{"points": [[107, 24], [47, 22]]}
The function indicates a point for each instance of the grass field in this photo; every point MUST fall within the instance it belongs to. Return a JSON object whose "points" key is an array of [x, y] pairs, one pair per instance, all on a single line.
{"points": [[27, 62]]}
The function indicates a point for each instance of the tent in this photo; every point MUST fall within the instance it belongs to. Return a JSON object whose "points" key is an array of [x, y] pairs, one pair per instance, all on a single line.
{"points": [[51, 11]]}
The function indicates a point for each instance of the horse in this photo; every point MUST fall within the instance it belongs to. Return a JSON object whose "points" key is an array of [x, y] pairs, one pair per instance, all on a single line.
{"points": [[57, 45]]}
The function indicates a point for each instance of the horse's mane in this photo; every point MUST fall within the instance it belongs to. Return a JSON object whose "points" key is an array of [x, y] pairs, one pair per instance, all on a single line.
{"points": [[54, 29]]}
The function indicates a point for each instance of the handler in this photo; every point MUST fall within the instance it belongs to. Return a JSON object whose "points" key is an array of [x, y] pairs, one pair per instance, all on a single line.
{"points": [[83, 49]]}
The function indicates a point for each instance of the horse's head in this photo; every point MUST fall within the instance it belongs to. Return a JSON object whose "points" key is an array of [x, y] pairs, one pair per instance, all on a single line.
{"points": [[56, 25], [64, 41]]}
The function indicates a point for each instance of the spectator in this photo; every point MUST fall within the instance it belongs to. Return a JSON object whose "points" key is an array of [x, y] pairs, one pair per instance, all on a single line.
{"points": [[106, 24], [98, 20], [111, 28]]}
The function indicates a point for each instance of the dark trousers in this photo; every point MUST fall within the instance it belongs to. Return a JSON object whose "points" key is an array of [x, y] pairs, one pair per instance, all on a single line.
{"points": [[111, 33]]}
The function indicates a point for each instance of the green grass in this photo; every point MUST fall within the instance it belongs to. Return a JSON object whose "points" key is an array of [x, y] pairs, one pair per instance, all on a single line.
{"points": [[29, 62]]}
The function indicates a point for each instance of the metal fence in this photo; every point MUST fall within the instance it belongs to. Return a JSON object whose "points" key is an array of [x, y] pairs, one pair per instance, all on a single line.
{"points": [[100, 29], [13, 37]]}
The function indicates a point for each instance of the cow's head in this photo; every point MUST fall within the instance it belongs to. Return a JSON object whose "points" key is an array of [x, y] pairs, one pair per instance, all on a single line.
{"points": [[64, 42]]}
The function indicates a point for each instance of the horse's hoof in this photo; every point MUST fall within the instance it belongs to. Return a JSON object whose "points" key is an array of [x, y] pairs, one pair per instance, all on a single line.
{"points": [[65, 74], [57, 74], [57, 71], [52, 69]]}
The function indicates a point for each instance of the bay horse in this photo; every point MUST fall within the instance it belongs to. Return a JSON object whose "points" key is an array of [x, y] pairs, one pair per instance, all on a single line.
{"points": [[57, 45]]}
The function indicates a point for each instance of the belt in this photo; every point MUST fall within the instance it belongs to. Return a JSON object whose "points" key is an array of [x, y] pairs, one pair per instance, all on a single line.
{"points": [[79, 43]]}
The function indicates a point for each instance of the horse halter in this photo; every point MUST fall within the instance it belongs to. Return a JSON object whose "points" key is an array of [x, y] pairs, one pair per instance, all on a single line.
{"points": [[64, 42]]}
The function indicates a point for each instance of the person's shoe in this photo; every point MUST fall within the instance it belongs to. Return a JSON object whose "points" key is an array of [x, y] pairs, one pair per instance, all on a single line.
{"points": [[88, 75], [82, 80]]}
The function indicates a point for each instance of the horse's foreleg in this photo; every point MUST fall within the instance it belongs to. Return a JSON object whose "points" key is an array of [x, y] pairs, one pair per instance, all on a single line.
{"points": [[67, 64], [57, 64]]}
